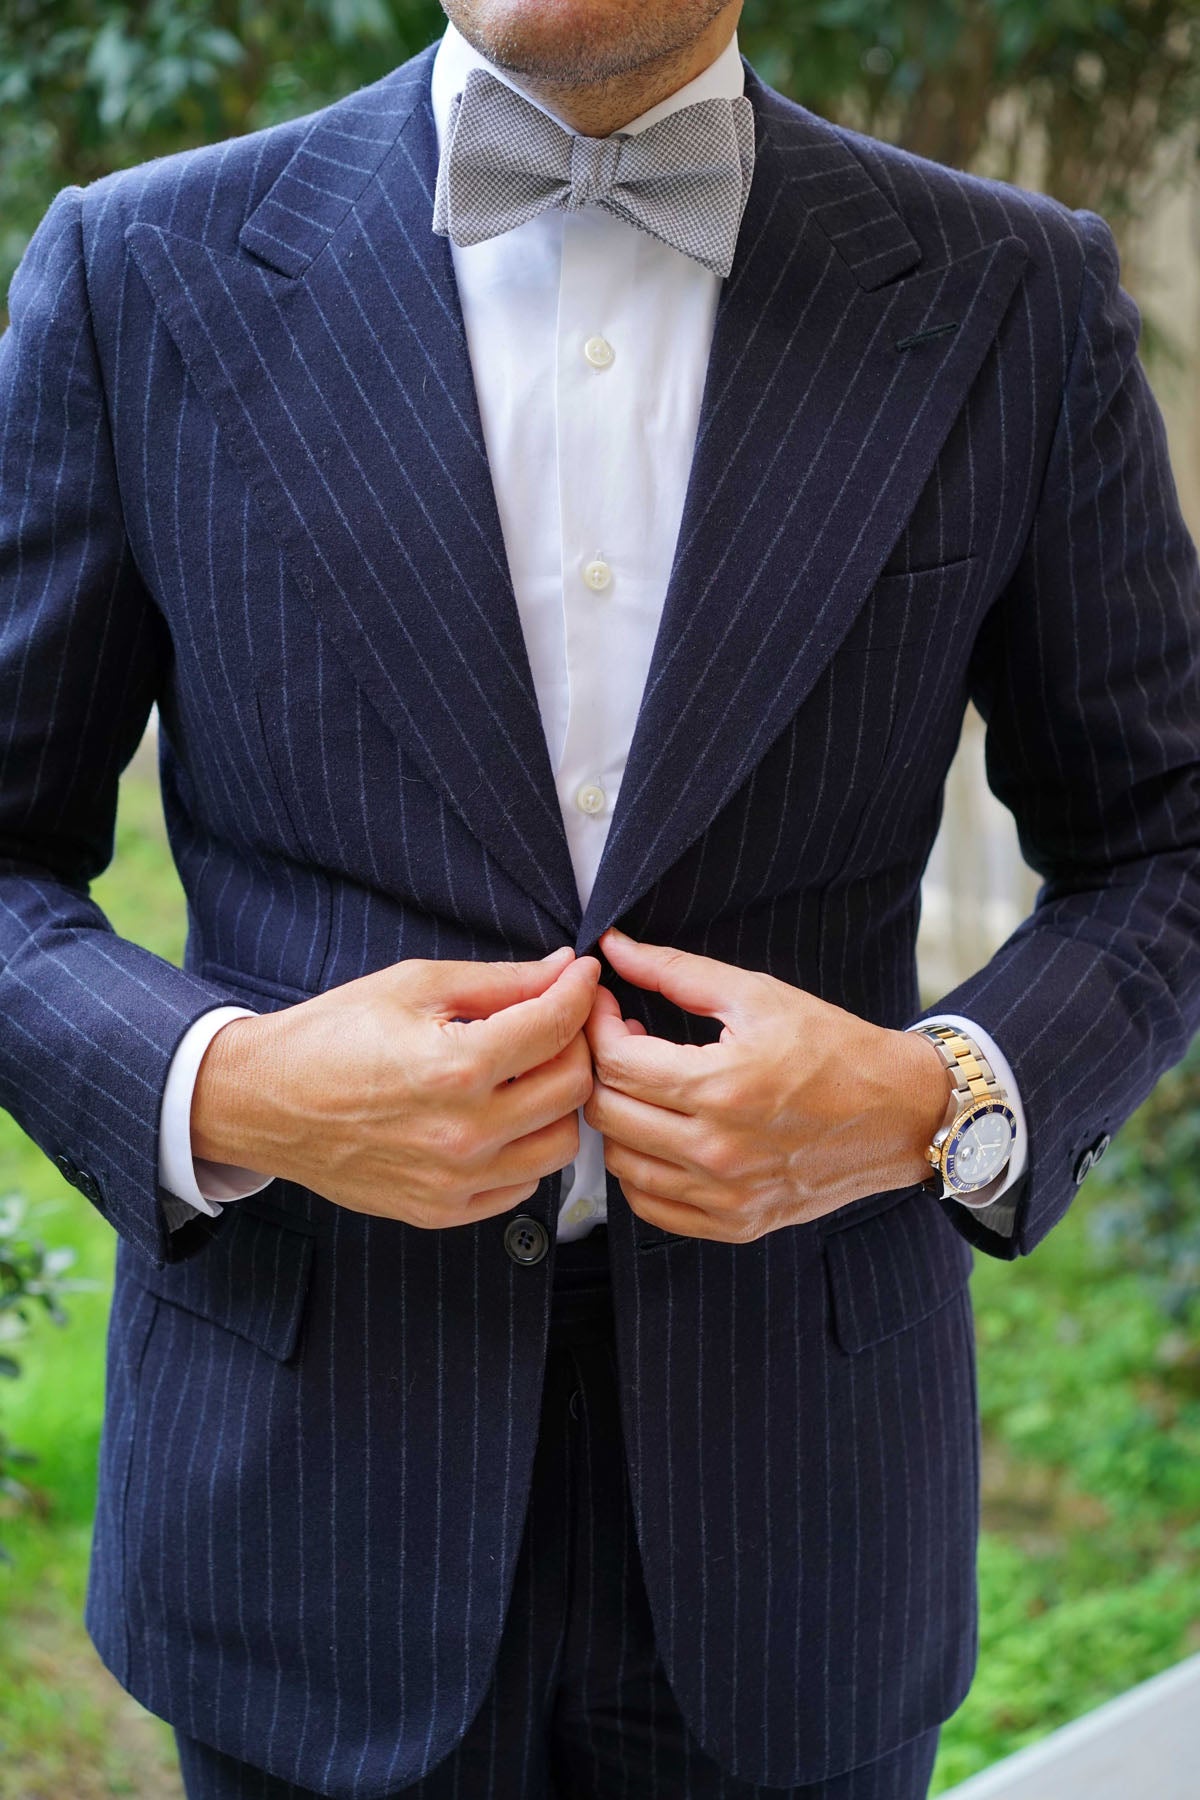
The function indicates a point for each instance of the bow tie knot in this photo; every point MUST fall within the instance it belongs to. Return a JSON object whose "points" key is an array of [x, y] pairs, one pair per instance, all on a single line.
{"points": [[594, 163], [685, 180]]}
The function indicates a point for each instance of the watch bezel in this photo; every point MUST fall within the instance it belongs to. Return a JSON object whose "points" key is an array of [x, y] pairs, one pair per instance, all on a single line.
{"points": [[952, 1140]]}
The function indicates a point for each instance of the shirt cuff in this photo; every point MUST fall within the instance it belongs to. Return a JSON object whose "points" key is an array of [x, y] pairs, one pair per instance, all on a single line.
{"points": [[189, 1178], [1015, 1166]]}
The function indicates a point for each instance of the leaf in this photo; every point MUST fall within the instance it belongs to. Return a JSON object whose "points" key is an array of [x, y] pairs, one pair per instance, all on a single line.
{"points": [[350, 19], [219, 47], [112, 66]]}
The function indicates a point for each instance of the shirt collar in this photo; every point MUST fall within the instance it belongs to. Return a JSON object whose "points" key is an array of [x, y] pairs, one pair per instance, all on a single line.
{"points": [[724, 78]]}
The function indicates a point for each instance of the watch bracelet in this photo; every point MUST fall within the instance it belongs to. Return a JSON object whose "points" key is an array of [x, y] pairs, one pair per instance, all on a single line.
{"points": [[977, 1081], [971, 1074]]}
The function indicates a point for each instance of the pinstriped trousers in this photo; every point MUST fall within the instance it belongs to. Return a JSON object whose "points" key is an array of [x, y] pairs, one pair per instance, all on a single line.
{"points": [[578, 1707]]}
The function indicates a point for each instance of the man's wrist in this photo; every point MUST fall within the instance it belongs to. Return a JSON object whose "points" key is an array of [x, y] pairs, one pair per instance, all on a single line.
{"points": [[926, 1103], [231, 1093]]}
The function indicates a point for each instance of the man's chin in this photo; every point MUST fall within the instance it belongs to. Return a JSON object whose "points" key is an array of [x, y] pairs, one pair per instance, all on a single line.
{"points": [[575, 43]]}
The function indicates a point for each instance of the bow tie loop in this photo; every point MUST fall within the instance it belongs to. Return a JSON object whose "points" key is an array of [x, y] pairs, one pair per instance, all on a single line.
{"points": [[685, 179]]}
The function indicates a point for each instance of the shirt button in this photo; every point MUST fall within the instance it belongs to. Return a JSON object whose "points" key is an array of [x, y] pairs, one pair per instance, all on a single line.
{"points": [[598, 575], [599, 352], [580, 1211], [590, 798]]}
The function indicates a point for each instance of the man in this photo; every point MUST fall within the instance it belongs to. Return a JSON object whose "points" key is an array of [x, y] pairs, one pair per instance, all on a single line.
{"points": [[564, 486]]}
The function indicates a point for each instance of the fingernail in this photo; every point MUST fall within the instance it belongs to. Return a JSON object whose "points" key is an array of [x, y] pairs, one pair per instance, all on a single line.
{"points": [[563, 949]]}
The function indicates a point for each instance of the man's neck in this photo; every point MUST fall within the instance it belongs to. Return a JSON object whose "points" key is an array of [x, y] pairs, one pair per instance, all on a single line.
{"points": [[604, 107]]}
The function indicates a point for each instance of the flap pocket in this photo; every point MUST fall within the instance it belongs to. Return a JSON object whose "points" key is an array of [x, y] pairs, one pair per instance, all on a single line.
{"points": [[251, 1278], [892, 1270]]}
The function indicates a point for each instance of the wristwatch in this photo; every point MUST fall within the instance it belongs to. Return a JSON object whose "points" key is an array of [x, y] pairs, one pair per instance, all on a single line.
{"points": [[970, 1151]]}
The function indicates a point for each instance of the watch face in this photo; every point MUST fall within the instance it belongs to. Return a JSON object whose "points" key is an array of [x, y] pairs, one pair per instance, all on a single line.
{"points": [[979, 1147]]}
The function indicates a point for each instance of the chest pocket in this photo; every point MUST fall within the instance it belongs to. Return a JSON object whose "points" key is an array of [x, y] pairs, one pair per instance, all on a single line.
{"points": [[910, 606]]}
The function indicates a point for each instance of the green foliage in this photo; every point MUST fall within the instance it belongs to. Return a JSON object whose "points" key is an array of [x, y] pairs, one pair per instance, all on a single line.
{"points": [[1099, 88], [87, 86], [1089, 1565], [1151, 1174], [1097, 1389], [1053, 1645], [32, 1282]]}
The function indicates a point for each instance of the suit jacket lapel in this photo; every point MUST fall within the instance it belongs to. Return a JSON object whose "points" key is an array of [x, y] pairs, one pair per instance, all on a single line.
{"points": [[820, 424], [335, 360]]}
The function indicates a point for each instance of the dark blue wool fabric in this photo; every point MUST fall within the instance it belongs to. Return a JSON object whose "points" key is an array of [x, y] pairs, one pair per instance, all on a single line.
{"points": [[578, 1707], [242, 475]]}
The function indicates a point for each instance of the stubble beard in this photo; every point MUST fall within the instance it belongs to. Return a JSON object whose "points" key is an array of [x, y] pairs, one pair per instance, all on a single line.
{"points": [[590, 45]]}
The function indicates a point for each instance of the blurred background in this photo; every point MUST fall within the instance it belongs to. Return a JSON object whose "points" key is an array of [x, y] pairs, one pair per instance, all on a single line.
{"points": [[1089, 1352]]}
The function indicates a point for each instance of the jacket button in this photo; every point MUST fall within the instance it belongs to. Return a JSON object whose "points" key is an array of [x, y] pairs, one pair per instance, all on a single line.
{"points": [[1100, 1146], [88, 1186], [67, 1169], [1082, 1166], [526, 1240]]}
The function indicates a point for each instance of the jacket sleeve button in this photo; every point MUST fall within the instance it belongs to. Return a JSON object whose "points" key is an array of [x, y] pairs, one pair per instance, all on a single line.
{"points": [[66, 1169], [1100, 1146], [1082, 1166]]}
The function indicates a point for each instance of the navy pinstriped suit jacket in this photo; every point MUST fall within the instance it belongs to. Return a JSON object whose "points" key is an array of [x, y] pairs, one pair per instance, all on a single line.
{"points": [[243, 475]]}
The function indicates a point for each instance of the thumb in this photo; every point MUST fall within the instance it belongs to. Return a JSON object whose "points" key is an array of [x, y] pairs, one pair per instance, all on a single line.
{"points": [[700, 984], [476, 990]]}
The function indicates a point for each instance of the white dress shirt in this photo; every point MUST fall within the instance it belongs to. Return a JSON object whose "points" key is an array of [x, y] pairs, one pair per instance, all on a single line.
{"points": [[589, 341]]}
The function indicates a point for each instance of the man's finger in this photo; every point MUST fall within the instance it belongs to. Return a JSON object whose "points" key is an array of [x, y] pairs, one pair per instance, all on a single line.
{"points": [[649, 1068], [676, 1216], [535, 1030], [546, 1093], [650, 1174], [476, 990], [700, 984], [643, 1126]]}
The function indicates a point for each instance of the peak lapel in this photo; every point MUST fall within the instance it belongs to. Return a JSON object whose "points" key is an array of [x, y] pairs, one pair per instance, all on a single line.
{"points": [[830, 390], [335, 361]]}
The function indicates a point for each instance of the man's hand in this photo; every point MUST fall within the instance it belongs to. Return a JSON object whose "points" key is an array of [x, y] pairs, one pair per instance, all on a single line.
{"points": [[800, 1108], [439, 1093]]}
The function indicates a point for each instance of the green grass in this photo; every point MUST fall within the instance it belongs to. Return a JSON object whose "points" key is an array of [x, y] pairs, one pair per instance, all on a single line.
{"points": [[1090, 1558], [67, 1732]]}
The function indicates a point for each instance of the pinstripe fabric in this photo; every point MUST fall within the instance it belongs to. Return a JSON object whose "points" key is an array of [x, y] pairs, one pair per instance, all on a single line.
{"points": [[578, 1704], [241, 471]]}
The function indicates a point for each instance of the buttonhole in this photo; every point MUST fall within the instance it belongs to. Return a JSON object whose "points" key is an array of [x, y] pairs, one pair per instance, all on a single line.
{"points": [[924, 337]]}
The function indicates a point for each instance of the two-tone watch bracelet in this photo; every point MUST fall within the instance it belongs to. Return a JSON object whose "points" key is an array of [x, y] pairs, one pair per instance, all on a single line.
{"points": [[972, 1075]]}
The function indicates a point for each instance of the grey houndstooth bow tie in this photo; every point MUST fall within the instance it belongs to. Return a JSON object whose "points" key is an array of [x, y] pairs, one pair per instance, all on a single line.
{"points": [[684, 180]]}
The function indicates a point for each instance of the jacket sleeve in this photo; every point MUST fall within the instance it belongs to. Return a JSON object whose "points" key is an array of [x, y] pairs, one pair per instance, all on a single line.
{"points": [[1087, 674], [88, 1021]]}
